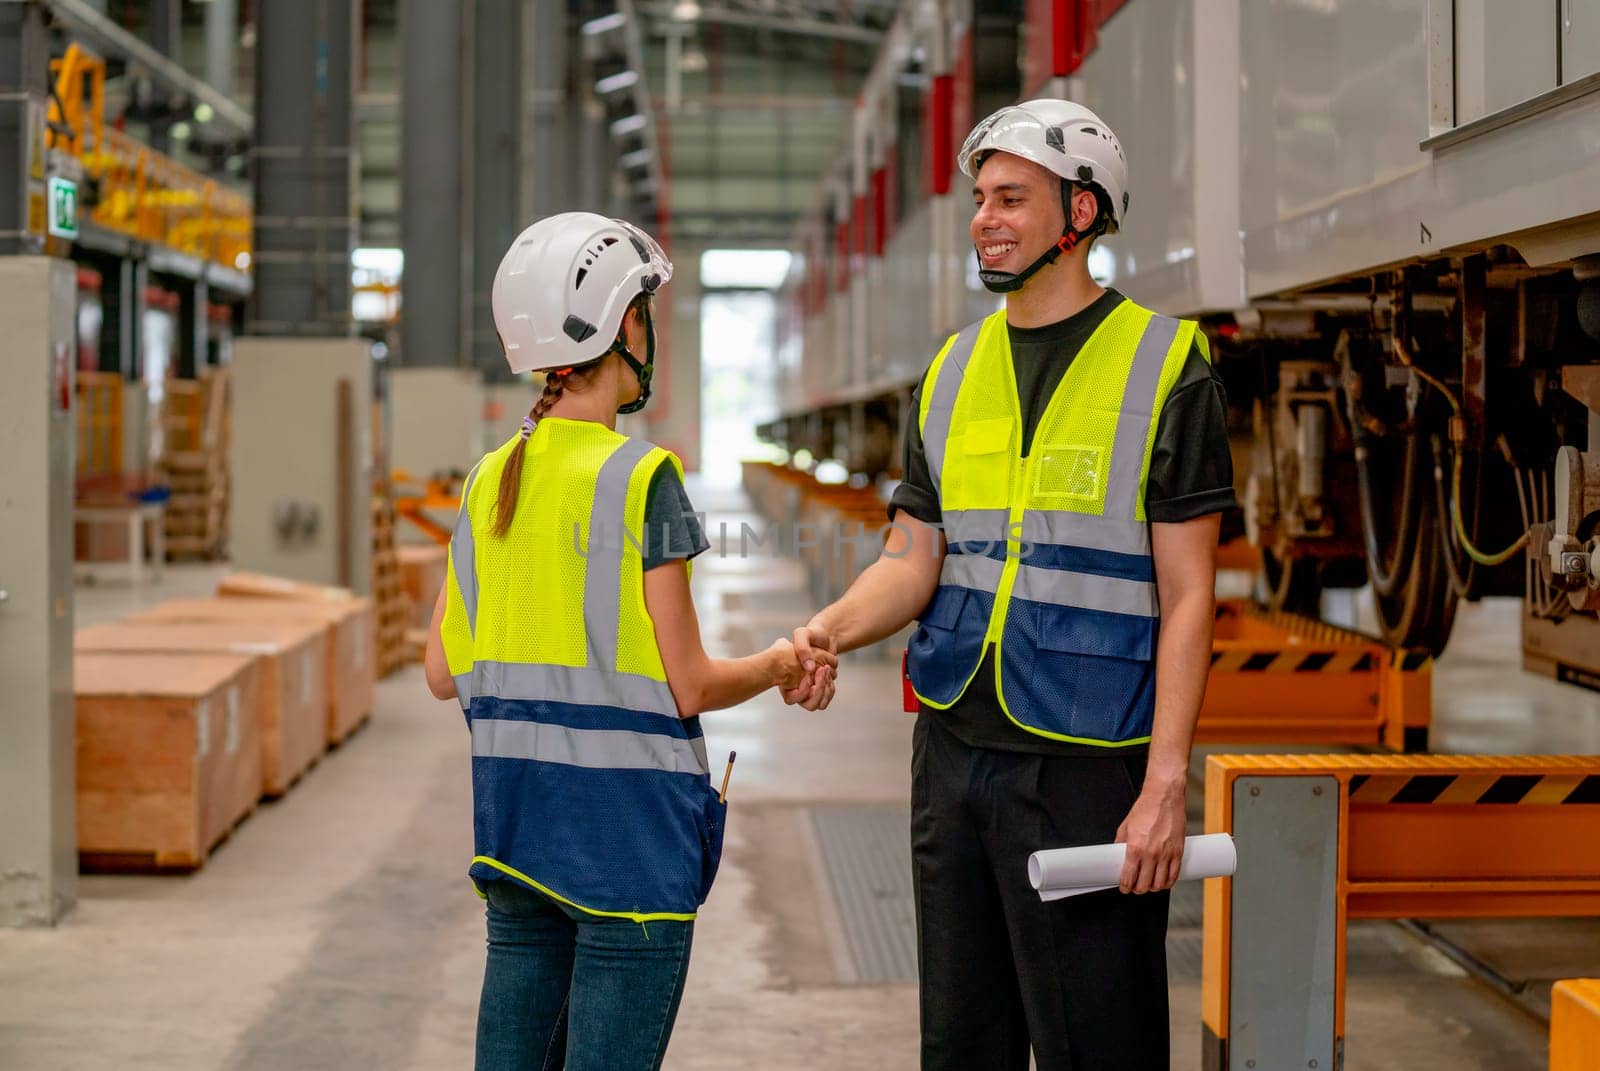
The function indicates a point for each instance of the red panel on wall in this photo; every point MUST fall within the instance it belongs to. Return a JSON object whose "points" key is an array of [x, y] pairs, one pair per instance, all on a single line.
{"points": [[941, 147], [961, 118], [887, 210], [841, 236]]}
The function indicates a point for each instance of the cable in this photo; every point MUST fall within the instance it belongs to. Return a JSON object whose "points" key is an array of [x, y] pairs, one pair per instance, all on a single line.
{"points": [[1455, 505]]}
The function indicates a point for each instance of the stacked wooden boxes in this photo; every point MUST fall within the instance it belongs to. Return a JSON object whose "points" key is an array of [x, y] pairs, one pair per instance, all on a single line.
{"points": [[347, 623], [293, 709], [195, 463], [169, 757], [387, 594]]}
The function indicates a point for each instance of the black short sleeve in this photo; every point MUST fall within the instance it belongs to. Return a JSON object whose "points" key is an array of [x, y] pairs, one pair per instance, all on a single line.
{"points": [[672, 530], [1191, 470], [916, 493]]}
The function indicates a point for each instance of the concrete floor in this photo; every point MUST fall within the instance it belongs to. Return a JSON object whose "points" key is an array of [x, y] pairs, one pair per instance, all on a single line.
{"points": [[336, 928]]}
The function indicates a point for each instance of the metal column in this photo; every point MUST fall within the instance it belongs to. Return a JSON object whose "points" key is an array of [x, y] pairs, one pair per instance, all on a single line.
{"points": [[166, 28], [304, 167], [222, 43], [551, 156], [433, 225], [497, 52], [38, 821], [38, 814]]}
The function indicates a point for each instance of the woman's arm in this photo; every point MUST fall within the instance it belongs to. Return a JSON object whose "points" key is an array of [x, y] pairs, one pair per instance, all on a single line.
{"points": [[699, 682], [434, 664]]}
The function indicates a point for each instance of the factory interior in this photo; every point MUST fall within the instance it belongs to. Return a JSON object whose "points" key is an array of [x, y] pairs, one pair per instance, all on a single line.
{"points": [[260, 263]]}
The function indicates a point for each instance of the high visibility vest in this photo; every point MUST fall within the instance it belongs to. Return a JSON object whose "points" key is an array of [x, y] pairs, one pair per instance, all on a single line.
{"points": [[586, 783], [1048, 555]]}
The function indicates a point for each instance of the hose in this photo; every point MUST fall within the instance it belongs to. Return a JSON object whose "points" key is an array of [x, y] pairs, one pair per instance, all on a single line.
{"points": [[1458, 583], [1462, 538], [1387, 578]]}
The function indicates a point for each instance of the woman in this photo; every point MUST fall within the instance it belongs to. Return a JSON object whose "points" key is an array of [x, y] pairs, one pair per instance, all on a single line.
{"points": [[567, 631]]}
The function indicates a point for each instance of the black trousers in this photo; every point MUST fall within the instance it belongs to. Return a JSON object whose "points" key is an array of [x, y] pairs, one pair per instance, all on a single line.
{"points": [[1082, 981]]}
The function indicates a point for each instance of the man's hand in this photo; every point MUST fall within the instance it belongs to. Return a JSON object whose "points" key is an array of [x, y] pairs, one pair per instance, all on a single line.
{"points": [[816, 649], [1153, 832]]}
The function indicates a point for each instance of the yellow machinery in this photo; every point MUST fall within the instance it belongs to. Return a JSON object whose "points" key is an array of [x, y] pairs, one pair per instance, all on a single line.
{"points": [[141, 193]]}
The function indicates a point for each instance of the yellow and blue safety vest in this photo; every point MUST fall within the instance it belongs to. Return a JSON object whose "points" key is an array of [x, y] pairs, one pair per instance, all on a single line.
{"points": [[1048, 555], [586, 783]]}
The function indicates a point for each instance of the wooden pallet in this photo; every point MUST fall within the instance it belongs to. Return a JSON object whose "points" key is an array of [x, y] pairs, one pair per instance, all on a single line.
{"points": [[387, 593], [194, 463]]}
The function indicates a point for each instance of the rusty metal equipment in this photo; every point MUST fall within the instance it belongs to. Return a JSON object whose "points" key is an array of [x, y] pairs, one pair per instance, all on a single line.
{"points": [[1323, 839]]}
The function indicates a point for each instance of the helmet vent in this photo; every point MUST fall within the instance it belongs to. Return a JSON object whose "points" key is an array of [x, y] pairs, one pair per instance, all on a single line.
{"points": [[1055, 139], [579, 280]]}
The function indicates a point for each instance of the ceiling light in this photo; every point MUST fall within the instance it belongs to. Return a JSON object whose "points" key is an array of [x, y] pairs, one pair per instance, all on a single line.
{"points": [[693, 61], [637, 158], [616, 83], [686, 10], [204, 113], [631, 124], [606, 22], [181, 131]]}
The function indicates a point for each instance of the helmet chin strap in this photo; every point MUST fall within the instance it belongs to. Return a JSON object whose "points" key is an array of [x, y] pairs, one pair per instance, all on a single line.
{"points": [[1006, 282], [644, 372]]}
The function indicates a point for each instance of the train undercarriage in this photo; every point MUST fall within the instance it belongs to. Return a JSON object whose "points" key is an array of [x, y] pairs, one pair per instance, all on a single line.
{"points": [[1432, 430]]}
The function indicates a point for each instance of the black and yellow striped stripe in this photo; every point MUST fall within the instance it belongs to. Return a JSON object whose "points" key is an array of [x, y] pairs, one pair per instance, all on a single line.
{"points": [[1469, 789], [1292, 660]]}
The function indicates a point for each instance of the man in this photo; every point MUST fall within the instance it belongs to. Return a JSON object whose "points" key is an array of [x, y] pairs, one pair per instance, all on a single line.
{"points": [[1056, 537]]}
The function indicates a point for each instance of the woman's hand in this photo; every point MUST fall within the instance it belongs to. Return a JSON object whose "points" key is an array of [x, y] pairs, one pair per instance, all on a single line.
{"points": [[789, 671]]}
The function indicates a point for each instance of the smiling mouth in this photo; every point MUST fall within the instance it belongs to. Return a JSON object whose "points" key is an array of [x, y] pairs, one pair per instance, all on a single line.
{"points": [[996, 250]]}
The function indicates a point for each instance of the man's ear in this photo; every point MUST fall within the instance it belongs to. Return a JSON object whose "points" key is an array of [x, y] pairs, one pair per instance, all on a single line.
{"points": [[1085, 207]]}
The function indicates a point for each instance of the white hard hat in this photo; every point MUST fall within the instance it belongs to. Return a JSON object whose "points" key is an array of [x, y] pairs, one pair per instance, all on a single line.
{"points": [[562, 288], [1060, 136]]}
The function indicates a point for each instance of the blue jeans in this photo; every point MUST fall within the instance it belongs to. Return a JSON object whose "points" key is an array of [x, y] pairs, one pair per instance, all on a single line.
{"points": [[576, 992]]}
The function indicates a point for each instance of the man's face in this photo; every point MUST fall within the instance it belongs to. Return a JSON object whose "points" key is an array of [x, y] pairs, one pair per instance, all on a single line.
{"points": [[1017, 212]]}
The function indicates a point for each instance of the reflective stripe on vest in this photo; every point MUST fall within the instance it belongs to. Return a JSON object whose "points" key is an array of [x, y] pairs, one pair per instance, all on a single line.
{"points": [[1067, 596], [587, 785]]}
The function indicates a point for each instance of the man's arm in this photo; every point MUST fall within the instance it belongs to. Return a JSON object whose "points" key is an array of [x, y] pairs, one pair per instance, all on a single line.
{"points": [[1186, 567], [884, 599]]}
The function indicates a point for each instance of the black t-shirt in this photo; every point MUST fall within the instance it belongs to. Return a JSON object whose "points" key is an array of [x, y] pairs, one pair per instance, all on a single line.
{"points": [[672, 532], [1191, 475]]}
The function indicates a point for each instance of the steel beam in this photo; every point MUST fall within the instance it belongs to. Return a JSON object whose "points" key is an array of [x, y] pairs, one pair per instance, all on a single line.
{"points": [[805, 27], [105, 36], [497, 58], [222, 44], [433, 222], [305, 168], [24, 88]]}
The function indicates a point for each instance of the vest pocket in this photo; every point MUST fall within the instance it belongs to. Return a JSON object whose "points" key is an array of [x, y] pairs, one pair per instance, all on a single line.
{"points": [[949, 639], [1080, 673], [983, 462], [713, 824]]}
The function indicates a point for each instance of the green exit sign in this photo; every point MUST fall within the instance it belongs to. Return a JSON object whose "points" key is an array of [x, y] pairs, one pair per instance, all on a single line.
{"points": [[63, 207]]}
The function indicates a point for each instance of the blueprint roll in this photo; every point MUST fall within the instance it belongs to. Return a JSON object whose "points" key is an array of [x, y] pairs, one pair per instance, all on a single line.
{"points": [[1062, 872]]}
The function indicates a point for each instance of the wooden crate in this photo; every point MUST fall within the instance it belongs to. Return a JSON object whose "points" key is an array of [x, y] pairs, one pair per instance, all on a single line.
{"points": [[169, 755], [352, 644], [422, 574], [294, 688]]}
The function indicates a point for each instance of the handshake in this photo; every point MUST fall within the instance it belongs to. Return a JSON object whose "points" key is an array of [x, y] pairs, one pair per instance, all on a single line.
{"points": [[804, 667]]}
